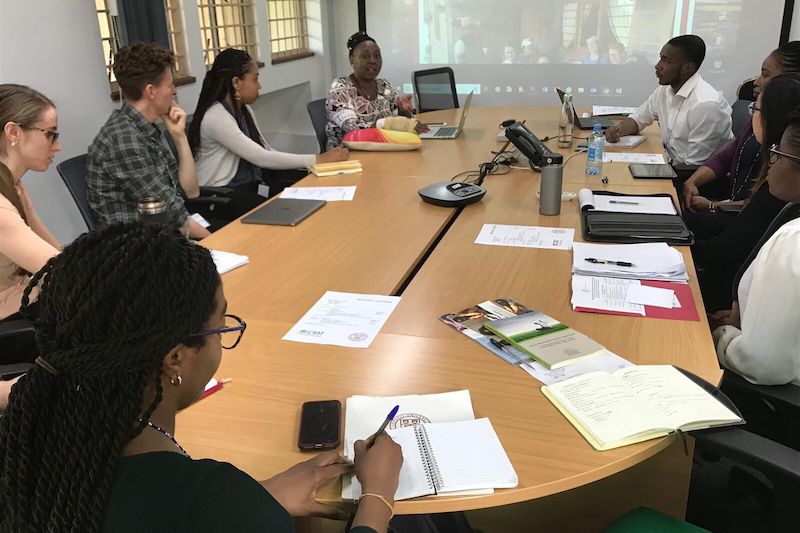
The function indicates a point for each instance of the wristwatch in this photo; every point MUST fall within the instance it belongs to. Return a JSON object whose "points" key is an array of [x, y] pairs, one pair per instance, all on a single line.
{"points": [[712, 206]]}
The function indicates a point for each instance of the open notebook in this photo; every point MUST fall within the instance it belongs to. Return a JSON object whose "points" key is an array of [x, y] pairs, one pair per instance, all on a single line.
{"points": [[450, 457]]}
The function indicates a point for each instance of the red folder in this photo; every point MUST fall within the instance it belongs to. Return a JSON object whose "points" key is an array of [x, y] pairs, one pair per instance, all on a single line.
{"points": [[687, 310]]}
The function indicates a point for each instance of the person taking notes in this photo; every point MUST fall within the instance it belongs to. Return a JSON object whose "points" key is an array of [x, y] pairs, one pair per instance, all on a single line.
{"points": [[695, 120]]}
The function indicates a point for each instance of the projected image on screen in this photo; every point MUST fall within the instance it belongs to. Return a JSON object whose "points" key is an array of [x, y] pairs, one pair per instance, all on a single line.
{"points": [[516, 51]]}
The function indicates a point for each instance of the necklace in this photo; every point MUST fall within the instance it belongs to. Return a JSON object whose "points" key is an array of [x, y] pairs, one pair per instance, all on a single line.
{"points": [[361, 90], [734, 190], [168, 435]]}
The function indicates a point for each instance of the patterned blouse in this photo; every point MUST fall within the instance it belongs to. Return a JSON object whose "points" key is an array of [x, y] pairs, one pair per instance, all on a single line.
{"points": [[348, 111]]}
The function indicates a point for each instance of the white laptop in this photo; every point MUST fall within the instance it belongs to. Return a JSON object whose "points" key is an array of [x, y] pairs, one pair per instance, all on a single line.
{"points": [[449, 132]]}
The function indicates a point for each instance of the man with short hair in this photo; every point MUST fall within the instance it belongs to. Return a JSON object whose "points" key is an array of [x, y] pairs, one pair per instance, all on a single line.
{"points": [[128, 160], [695, 120]]}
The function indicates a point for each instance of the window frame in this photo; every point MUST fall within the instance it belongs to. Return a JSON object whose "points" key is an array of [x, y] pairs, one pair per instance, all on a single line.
{"points": [[246, 38], [291, 16]]}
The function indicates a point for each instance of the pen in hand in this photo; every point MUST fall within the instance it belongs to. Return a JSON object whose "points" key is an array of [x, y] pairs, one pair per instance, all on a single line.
{"points": [[389, 418], [607, 262]]}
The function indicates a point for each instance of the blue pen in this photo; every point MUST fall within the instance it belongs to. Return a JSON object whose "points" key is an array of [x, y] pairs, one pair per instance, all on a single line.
{"points": [[389, 418]]}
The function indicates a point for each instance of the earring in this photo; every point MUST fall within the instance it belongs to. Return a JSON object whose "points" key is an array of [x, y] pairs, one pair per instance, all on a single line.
{"points": [[177, 380], [13, 144], [237, 96]]}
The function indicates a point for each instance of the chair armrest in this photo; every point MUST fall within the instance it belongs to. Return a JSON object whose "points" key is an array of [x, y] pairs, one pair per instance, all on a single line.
{"points": [[789, 394], [15, 327], [8, 372], [207, 200], [215, 190], [769, 457]]}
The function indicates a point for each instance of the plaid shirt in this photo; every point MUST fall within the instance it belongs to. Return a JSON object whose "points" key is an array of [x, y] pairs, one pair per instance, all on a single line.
{"points": [[127, 162]]}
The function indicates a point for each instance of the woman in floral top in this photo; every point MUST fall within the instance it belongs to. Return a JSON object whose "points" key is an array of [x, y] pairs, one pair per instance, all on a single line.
{"points": [[357, 101]]}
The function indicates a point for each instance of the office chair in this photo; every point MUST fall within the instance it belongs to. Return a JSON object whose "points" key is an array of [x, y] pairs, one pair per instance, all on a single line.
{"points": [[745, 90], [319, 119], [16, 342], [740, 115], [73, 173], [436, 89]]}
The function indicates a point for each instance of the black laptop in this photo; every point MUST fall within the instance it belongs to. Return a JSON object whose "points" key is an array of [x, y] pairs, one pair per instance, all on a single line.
{"points": [[586, 123]]}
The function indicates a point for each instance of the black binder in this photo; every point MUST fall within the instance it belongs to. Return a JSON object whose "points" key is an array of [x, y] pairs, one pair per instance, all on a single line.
{"points": [[607, 226]]}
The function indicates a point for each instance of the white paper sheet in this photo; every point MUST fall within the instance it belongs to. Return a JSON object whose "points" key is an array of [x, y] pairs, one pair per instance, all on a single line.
{"points": [[197, 217], [601, 110], [526, 236], [629, 157], [227, 261], [344, 319], [605, 361], [609, 294], [655, 296], [331, 194], [652, 260], [626, 203], [628, 141]]}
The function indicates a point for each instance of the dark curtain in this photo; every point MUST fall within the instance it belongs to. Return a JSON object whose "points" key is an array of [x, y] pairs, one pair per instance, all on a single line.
{"points": [[144, 20]]}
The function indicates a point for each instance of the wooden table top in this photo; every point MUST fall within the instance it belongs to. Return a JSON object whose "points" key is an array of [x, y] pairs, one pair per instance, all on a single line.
{"points": [[372, 245]]}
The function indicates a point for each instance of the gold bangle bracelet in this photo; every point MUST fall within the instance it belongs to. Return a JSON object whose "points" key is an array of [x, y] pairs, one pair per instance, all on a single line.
{"points": [[381, 498]]}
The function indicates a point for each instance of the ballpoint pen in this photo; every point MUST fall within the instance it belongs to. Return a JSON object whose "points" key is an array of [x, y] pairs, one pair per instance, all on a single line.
{"points": [[608, 262], [622, 202], [389, 418]]}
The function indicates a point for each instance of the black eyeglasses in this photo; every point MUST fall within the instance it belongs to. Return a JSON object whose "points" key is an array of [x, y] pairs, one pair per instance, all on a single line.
{"points": [[753, 108], [230, 335], [52, 136], [775, 154]]}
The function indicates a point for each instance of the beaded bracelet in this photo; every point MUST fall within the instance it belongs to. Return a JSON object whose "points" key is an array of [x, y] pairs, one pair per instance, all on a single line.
{"points": [[381, 498]]}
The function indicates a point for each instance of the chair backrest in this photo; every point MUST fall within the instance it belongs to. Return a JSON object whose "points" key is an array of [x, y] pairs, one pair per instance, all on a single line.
{"points": [[745, 90], [787, 214], [319, 119], [740, 115], [436, 89], [73, 173]]}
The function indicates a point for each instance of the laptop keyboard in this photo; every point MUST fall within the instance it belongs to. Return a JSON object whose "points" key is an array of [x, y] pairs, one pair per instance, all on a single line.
{"points": [[445, 132]]}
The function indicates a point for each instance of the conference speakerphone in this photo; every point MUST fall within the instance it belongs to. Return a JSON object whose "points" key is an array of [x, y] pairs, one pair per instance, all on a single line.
{"points": [[452, 193]]}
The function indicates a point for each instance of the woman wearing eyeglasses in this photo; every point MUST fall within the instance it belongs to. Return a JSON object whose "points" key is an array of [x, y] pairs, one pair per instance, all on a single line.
{"points": [[727, 178], [28, 141], [759, 337], [131, 321], [721, 257]]}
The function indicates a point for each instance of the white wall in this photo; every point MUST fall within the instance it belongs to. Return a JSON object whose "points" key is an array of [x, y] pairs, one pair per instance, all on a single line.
{"points": [[54, 46], [794, 32]]}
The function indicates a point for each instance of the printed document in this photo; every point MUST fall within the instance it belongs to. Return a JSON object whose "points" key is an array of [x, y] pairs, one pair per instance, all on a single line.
{"points": [[330, 194], [344, 319], [632, 157], [526, 236]]}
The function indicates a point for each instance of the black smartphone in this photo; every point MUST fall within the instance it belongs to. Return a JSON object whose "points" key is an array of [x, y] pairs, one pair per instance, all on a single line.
{"points": [[319, 425]]}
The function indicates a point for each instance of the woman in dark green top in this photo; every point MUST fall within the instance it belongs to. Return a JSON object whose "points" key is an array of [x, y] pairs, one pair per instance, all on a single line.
{"points": [[130, 323]]}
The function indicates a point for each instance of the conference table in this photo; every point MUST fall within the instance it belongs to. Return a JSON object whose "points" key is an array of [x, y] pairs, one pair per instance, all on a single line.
{"points": [[387, 241]]}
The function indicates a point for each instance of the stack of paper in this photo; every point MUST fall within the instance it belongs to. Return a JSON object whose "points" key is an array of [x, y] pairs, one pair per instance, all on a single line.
{"points": [[321, 170], [603, 110], [652, 260], [226, 261], [329, 194], [626, 203]]}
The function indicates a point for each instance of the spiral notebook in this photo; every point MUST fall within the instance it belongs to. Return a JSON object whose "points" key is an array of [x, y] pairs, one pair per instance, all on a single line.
{"points": [[450, 457]]}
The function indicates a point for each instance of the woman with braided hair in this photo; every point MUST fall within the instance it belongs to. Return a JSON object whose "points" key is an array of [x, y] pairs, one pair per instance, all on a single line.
{"points": [[228, 146], [130, 323]]}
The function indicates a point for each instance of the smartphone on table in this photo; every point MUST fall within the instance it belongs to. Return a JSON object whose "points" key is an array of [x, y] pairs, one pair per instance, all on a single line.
{"points": [[319, 425]]}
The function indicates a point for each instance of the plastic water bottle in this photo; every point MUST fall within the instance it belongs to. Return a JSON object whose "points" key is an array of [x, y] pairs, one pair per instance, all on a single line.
{"points": [[594, 157], [565, 123]]}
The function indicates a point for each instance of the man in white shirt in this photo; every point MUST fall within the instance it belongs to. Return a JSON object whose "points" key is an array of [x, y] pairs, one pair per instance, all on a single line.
{"points": [[695, 120]]}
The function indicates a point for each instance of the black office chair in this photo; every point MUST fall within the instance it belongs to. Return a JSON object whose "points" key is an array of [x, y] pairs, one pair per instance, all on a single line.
{"points": [[436, 89], [16, 342], [745, 90], [319, 119], [73, 173], [740, 115]]}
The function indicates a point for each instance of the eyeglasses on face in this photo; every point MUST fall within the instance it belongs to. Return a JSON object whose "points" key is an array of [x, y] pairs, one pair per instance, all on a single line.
{"points": [[51, 135], [752, 107], [775, 154], [230, 335]]}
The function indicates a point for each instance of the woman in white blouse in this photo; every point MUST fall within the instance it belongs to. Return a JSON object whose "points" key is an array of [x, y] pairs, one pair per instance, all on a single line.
{"points": [[760, 337], [228, 147]]}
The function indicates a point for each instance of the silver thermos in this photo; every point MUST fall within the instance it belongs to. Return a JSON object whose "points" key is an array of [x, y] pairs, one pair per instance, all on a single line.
{"points": [[550, 190], [153, 210]]}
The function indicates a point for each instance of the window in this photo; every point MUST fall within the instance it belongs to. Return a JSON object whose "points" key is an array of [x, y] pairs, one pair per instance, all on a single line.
{"points": [[110, 35], [227, 24], [288, 30]]}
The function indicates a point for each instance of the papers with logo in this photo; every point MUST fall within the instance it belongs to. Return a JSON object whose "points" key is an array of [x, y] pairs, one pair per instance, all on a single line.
{"points": [[601, 110], [624, 203], [605, 361], [226, 261], [644, 295], [627, 157], [607, 294], [344, 319], [330, 194], [652, 260], [526, 236]]}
